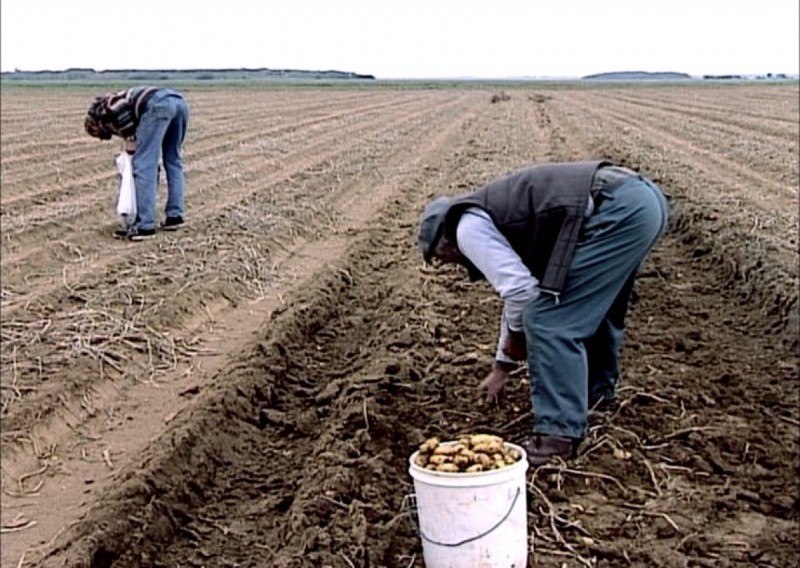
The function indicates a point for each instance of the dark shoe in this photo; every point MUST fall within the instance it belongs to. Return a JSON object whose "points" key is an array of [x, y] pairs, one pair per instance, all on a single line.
{"points": [[172, 223], [134, 234], [542, 448], [142, 234]]}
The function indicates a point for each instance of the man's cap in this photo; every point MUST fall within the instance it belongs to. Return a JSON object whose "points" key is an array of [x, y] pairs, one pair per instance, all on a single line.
{"points": [[431, 226]]}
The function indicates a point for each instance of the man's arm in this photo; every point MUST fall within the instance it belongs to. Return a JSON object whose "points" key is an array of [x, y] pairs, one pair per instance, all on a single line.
{"points": [[482, 243]]}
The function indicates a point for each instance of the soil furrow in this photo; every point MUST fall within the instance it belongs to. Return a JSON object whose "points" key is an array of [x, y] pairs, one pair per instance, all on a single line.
{"points": [[77, 414], [240, 168], [709, 157], [97, 263], [228, 139], [721, 181], [771, 156], [718, 121], [752, 231], [719, 102], [220, 110], [186, 286], [332, 284]]}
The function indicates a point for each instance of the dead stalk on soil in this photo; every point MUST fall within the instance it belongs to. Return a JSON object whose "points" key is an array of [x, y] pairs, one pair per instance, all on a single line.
{"points": [[551, 514], [664, 516], [652, 477], [683, 432], [19, 523], [562, 470], [107, 458]]}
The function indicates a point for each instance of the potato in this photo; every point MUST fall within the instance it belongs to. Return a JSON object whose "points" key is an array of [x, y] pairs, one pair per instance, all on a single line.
{"points": [[477, 439], [488, 448], [439, 460], [469, 454], [462, 461], [484, 460], [429, 445], [448, 450]]}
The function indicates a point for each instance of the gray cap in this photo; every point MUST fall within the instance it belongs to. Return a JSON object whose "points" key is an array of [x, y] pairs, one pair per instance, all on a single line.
{"points": [[431, 226]]}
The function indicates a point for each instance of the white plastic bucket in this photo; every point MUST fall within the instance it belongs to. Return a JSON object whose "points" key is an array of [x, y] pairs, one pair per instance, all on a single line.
{"points": [[475, 520]]}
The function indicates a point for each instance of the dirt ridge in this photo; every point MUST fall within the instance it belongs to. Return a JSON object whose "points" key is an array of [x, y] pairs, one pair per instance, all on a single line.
{"points": [[753, 264]]}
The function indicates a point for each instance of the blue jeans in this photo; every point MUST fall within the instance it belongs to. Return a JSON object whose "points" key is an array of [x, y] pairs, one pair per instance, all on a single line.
{"points": [[574, 341], [161, 130]]}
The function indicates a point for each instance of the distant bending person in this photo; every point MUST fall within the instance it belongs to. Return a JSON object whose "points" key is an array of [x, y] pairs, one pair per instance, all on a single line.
{"points": [[153, 122]]}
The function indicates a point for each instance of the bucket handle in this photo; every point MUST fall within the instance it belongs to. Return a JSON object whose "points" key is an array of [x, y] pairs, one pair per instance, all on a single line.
{"points": [[478, 537]]}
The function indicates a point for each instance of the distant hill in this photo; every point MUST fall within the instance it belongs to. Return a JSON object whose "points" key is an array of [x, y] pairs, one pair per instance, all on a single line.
{"points": [[637, 76], [140, 75]]}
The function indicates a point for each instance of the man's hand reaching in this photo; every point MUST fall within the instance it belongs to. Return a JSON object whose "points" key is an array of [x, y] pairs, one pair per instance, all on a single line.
{"points": [[496, 379]]}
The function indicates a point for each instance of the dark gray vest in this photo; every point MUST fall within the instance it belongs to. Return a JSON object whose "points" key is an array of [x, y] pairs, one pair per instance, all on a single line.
{"points": [[540, 210]]}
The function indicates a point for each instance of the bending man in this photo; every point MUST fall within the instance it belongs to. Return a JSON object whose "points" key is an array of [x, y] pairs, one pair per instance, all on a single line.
{"points": [[153, 122], [561, 243]]}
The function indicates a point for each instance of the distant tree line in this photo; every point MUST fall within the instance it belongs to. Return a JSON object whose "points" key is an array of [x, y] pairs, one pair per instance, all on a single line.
{"points": [[670, 76], [637, 75], [140, 75], [741, 77]]}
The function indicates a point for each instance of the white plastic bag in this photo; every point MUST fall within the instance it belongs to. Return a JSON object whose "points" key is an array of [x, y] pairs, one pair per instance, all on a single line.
{"points": [[126, 201]]}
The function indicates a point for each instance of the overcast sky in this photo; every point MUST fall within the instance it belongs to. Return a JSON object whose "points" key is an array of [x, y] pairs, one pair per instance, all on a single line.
{"points": [[406, 38]]}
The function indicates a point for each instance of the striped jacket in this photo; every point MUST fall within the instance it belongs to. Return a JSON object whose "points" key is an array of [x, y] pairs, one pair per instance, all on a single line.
{"points": [[117, 113]]}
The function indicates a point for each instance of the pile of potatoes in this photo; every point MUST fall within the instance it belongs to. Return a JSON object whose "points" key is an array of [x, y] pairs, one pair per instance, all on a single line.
{"points": [[469, 454]]}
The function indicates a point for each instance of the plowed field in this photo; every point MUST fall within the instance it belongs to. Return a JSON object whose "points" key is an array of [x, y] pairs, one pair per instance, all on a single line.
{"points": [[247, 391]]}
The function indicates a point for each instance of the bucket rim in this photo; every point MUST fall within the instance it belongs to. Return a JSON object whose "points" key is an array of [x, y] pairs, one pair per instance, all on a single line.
{"points": [[522, 463]]}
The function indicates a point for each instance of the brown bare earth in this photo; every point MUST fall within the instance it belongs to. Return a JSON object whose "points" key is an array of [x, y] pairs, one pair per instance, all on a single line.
{"points": [[247, 391]]}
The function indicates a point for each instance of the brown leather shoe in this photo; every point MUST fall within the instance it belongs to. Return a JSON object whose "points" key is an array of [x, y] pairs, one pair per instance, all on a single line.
{"points": [[542, 448]]}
